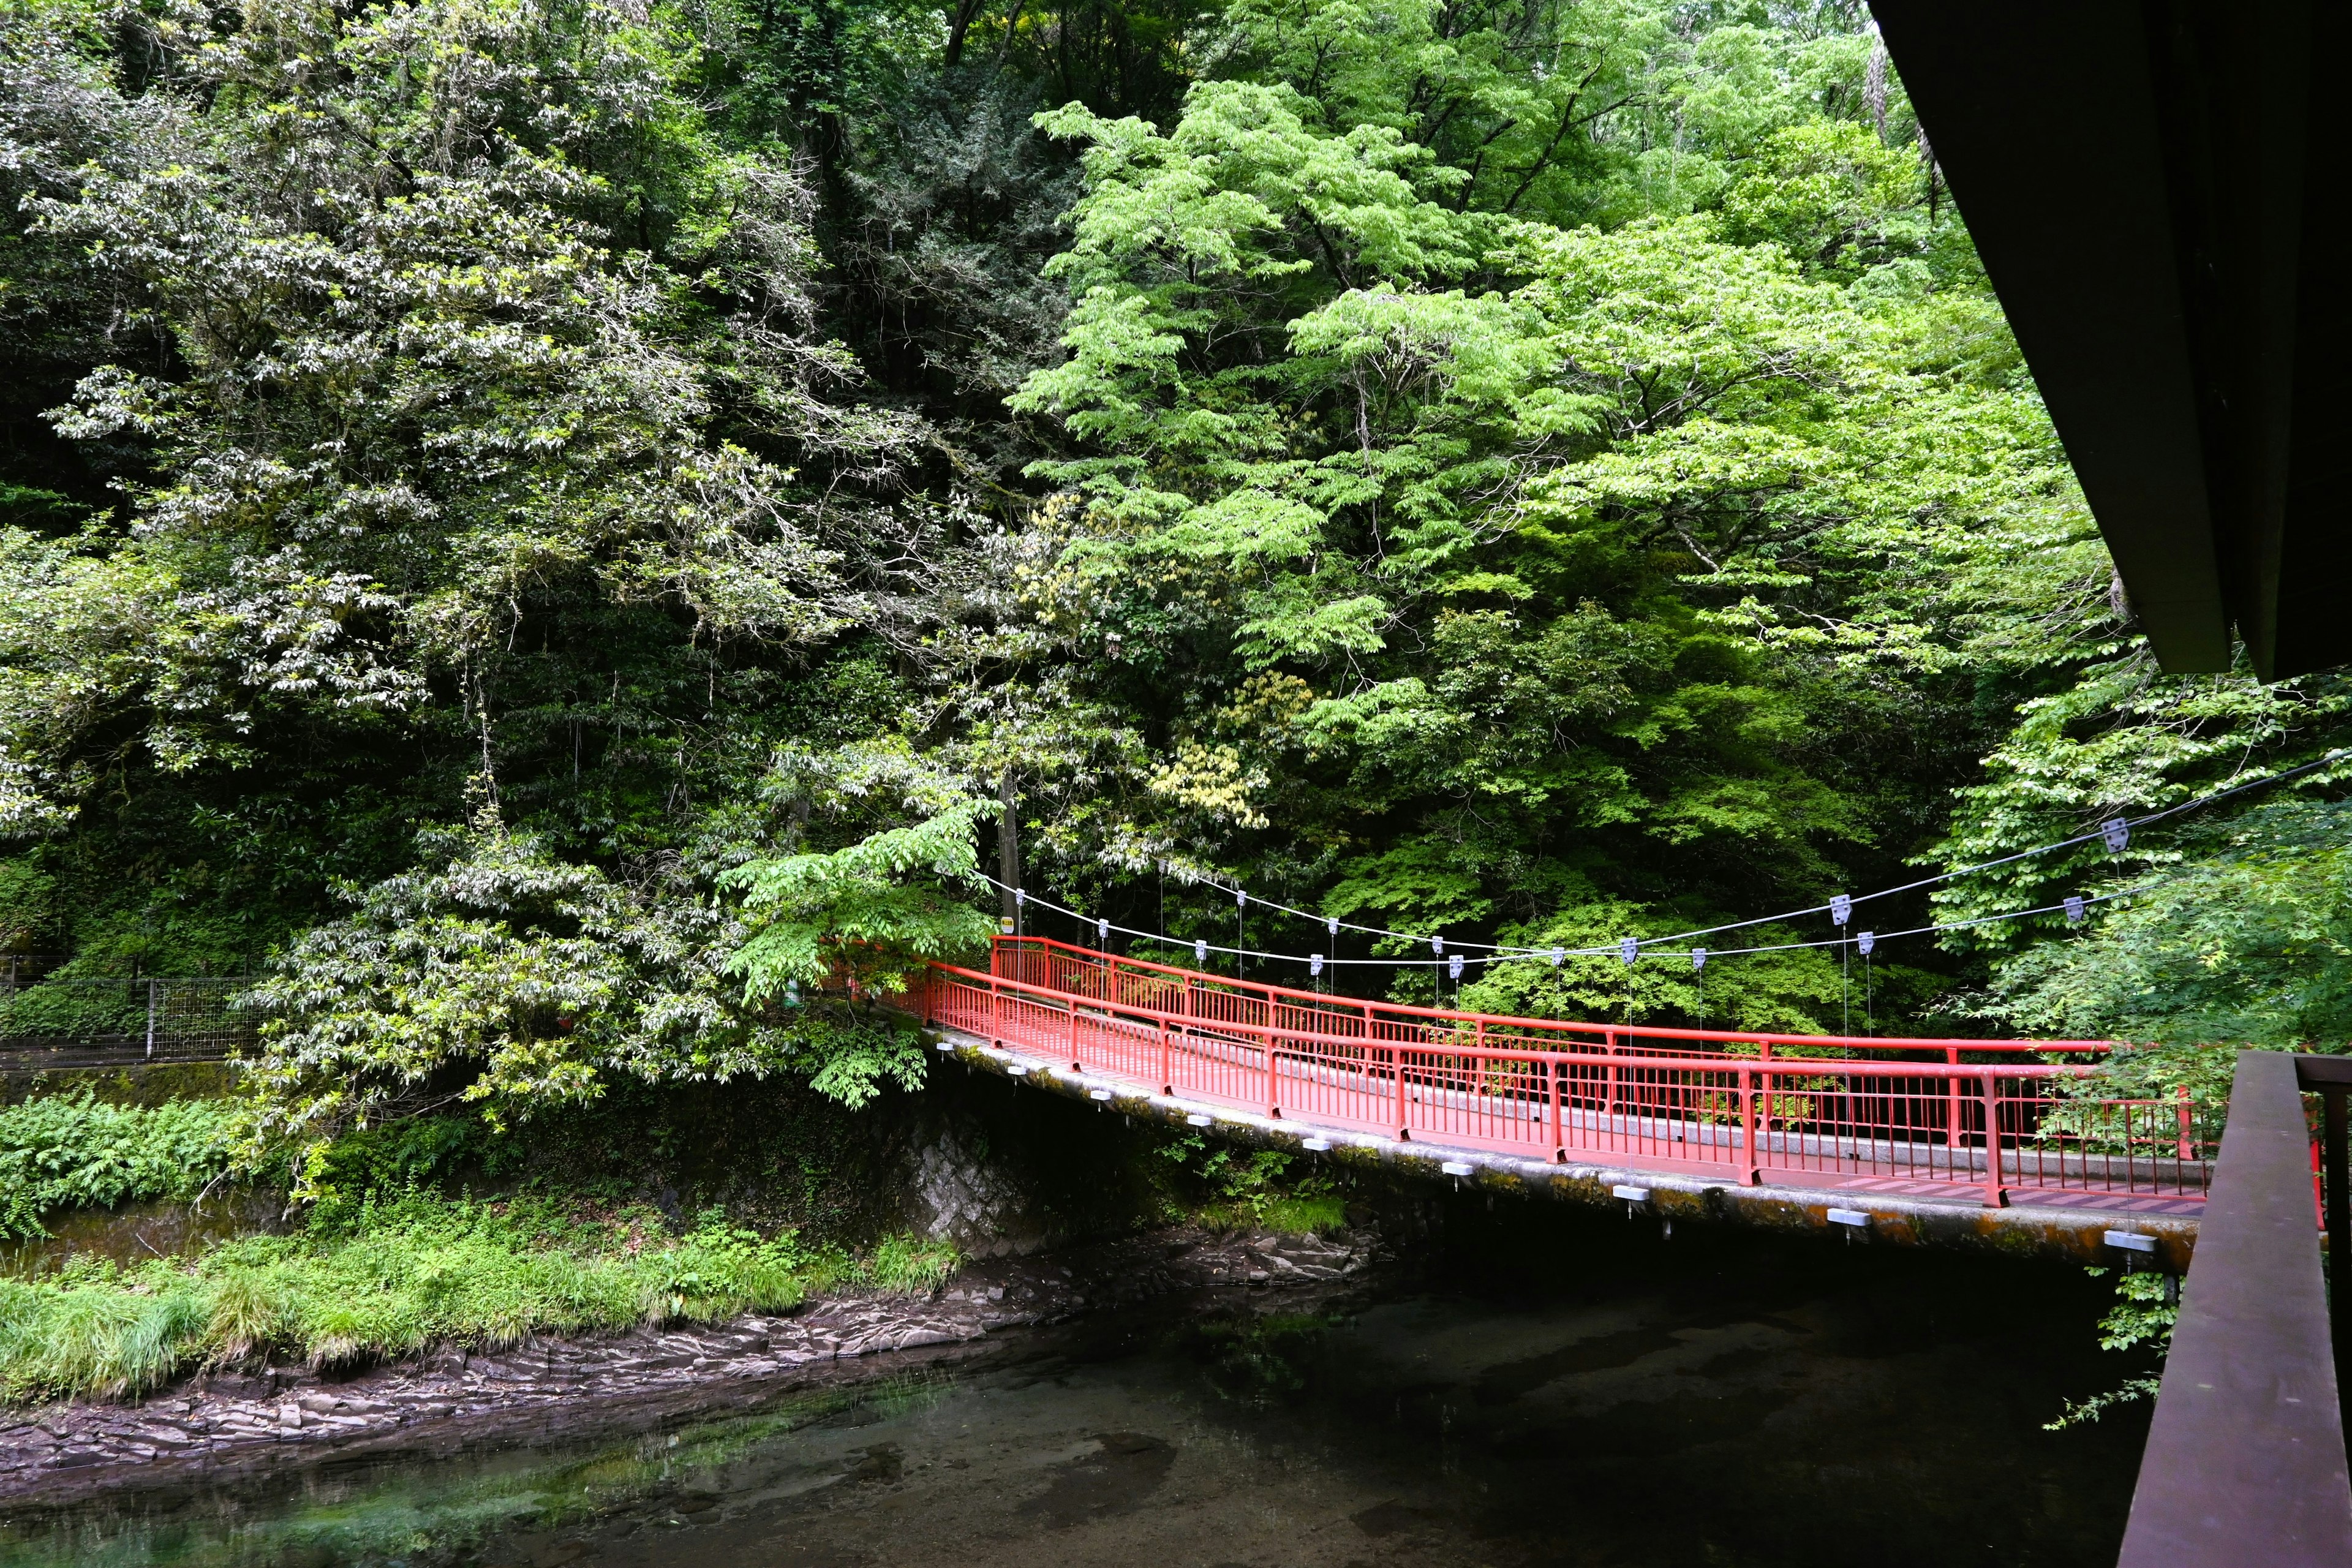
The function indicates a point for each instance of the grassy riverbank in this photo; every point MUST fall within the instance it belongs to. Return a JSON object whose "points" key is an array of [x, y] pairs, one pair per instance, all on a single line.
{"points": [[650, 1205], [654, 1204], [398, 1277]]}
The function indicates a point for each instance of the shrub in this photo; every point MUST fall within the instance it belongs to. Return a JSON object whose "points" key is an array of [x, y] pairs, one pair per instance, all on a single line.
{"points": [[1237, 1192]]}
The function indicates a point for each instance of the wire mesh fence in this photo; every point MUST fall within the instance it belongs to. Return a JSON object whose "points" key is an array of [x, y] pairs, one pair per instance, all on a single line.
{"points": [[51, 1020]]}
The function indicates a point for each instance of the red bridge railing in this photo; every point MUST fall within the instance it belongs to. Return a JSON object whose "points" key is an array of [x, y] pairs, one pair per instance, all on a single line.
{"points": [[1991, 1117]]}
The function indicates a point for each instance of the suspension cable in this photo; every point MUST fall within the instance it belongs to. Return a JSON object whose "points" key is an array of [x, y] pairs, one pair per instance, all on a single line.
{"points": [[1335, 925], [1201, 946]]}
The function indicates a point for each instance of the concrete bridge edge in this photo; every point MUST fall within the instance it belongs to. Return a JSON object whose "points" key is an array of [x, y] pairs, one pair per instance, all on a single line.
{"points": [[2021, 1230]]}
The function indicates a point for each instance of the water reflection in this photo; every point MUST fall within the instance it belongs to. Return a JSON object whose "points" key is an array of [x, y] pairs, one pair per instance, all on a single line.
{"points": [[1726, 1408]]}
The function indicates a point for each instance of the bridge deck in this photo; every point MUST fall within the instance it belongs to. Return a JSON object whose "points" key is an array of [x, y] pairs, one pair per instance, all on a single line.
{"points": [[1843, 1114]]}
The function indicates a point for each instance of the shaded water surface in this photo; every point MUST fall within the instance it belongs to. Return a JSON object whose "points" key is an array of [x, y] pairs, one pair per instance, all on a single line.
{"points": [[1723, 1401]]}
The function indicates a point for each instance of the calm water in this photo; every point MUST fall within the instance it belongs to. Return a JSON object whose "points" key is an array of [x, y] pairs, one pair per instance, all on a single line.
{"points": [[1713, 1402]]}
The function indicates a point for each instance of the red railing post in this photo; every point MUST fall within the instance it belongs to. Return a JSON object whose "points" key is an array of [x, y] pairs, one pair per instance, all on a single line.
{"points": [[1272, 1102], [996, 1010], [2180, 1095], [1994, 1196], [1396, 1089], [1551, 1075], [1952, 1114], [1167, 1082], [1074, 1035], [1480, 1082], [1609, 1099], [1747, 1123]]}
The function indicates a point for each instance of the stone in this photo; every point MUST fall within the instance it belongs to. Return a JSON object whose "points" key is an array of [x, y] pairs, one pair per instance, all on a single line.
{"points": [[958, 1198]]}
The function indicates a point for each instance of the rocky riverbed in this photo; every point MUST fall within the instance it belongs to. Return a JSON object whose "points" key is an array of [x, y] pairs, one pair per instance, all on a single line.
{"points": [[291, 1414]]}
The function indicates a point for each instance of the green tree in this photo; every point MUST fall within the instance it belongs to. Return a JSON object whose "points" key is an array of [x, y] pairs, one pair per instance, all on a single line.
{"points": [[816, 915], [534, 978], [2243, 936], [1546, 472]]}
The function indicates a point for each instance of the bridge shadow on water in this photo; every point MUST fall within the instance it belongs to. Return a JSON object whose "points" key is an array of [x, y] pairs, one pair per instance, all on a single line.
{"points": [[1723, 1396], [1528, 1386]]}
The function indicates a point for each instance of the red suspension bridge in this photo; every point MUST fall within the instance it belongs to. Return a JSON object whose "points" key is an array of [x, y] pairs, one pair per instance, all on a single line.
{"points": [[1986, 1121]]}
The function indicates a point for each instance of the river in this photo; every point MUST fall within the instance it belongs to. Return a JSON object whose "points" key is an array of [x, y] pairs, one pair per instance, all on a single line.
{"points": [[1565, 1394]]}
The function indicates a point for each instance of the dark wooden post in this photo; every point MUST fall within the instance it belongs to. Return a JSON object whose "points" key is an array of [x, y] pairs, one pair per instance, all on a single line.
{"points": [[2245, 1456]]}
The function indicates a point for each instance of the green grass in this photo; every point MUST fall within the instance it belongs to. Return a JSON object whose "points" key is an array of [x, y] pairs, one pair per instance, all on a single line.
{"points": [[71, 1151], [910, 1265], [1307, 1215], [420, 1271]]}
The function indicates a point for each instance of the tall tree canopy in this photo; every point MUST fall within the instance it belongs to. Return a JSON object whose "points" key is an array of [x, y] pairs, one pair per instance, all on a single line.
{"points": [[553, 529]]}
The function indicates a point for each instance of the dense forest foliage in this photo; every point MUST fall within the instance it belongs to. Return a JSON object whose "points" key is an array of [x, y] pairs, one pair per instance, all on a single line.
{"points": [[542, 528]]}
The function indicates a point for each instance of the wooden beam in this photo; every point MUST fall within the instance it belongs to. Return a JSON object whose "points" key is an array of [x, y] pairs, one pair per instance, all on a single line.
{"points": [[2245, 1457]]}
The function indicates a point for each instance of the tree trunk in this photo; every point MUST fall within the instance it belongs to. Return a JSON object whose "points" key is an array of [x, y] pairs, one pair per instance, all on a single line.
{"points": [[1008, 842]]}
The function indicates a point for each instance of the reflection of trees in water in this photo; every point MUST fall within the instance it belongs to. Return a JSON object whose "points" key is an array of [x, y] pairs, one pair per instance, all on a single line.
{"points": [[428, 1511], [1258, 1357]]}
